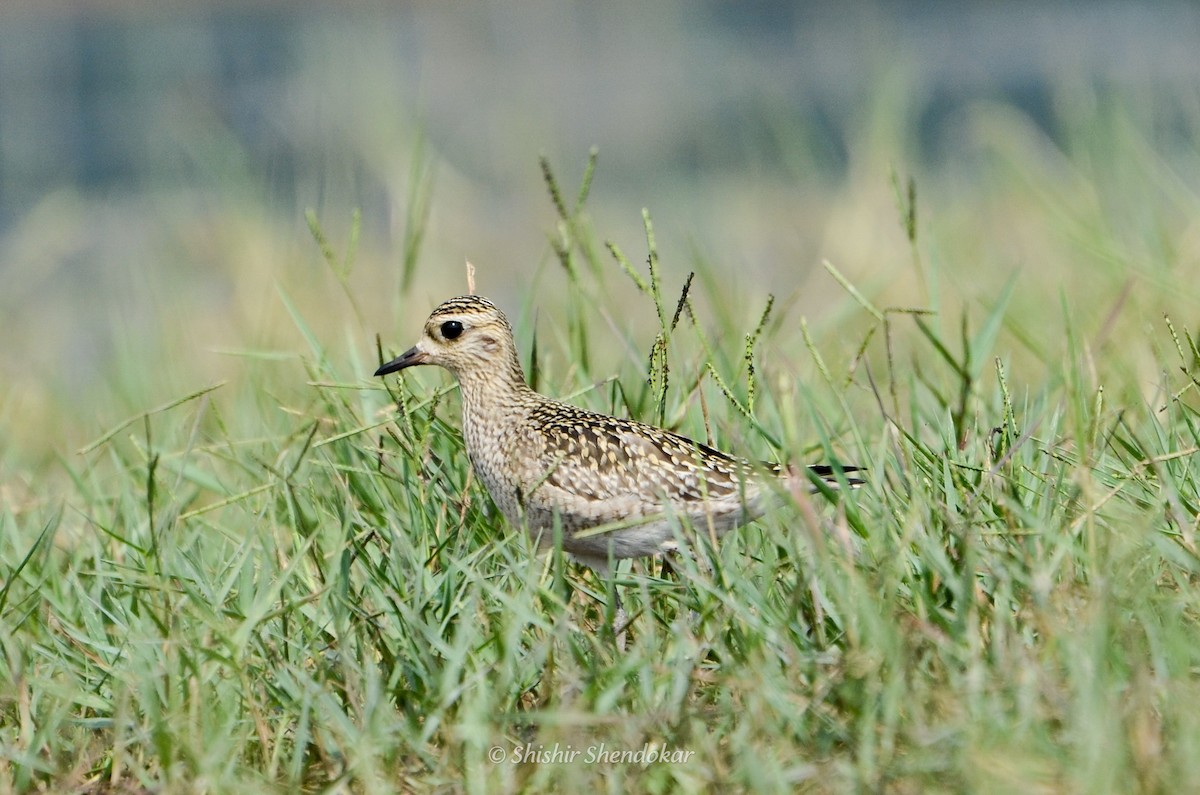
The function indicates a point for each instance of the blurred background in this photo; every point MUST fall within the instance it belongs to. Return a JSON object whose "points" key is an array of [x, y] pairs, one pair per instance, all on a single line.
{"points": [[157, 161]]}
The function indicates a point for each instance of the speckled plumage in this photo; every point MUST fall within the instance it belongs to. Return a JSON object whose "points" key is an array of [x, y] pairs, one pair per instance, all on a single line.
{"points": [[540, 458]]}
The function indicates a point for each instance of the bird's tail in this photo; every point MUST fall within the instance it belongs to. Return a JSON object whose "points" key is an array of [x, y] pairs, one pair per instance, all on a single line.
{"points": [[828, 474]]}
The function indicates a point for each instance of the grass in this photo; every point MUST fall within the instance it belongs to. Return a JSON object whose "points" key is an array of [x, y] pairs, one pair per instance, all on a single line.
{"points": [[272, 586]]}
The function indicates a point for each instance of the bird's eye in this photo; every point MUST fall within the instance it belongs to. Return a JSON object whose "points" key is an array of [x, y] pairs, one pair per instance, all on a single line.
{"points": [[452, 329]]}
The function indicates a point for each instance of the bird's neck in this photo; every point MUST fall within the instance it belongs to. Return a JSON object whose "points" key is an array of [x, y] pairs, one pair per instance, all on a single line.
{"points": [[493, 387], [494, 404]]}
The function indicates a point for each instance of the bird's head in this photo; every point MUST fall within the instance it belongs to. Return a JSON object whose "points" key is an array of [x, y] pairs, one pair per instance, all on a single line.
{"points": [[470, 337]]}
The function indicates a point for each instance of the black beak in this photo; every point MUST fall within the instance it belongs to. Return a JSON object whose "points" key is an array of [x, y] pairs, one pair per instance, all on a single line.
{"points": [[410, 357]]}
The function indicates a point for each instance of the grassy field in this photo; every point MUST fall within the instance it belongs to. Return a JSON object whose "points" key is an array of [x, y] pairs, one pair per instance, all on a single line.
{"points": [[283, 577]]}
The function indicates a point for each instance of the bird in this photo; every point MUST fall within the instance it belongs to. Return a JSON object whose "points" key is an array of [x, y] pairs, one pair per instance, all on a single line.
{"points": [[616, 488]]}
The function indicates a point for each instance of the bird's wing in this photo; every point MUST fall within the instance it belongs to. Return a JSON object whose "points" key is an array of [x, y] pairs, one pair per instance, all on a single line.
{"points": [[596, 458]]}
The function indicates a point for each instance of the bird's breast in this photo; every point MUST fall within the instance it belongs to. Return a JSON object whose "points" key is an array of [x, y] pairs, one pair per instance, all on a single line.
{"points": [[492, 444]]}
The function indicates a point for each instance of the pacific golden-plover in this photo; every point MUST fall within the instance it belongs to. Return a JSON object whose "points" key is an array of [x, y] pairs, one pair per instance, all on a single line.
{"points": [[617, 488]]}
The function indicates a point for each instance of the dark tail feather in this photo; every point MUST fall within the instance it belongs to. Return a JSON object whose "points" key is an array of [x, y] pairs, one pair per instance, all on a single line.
{"points": [[828, 474]]}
